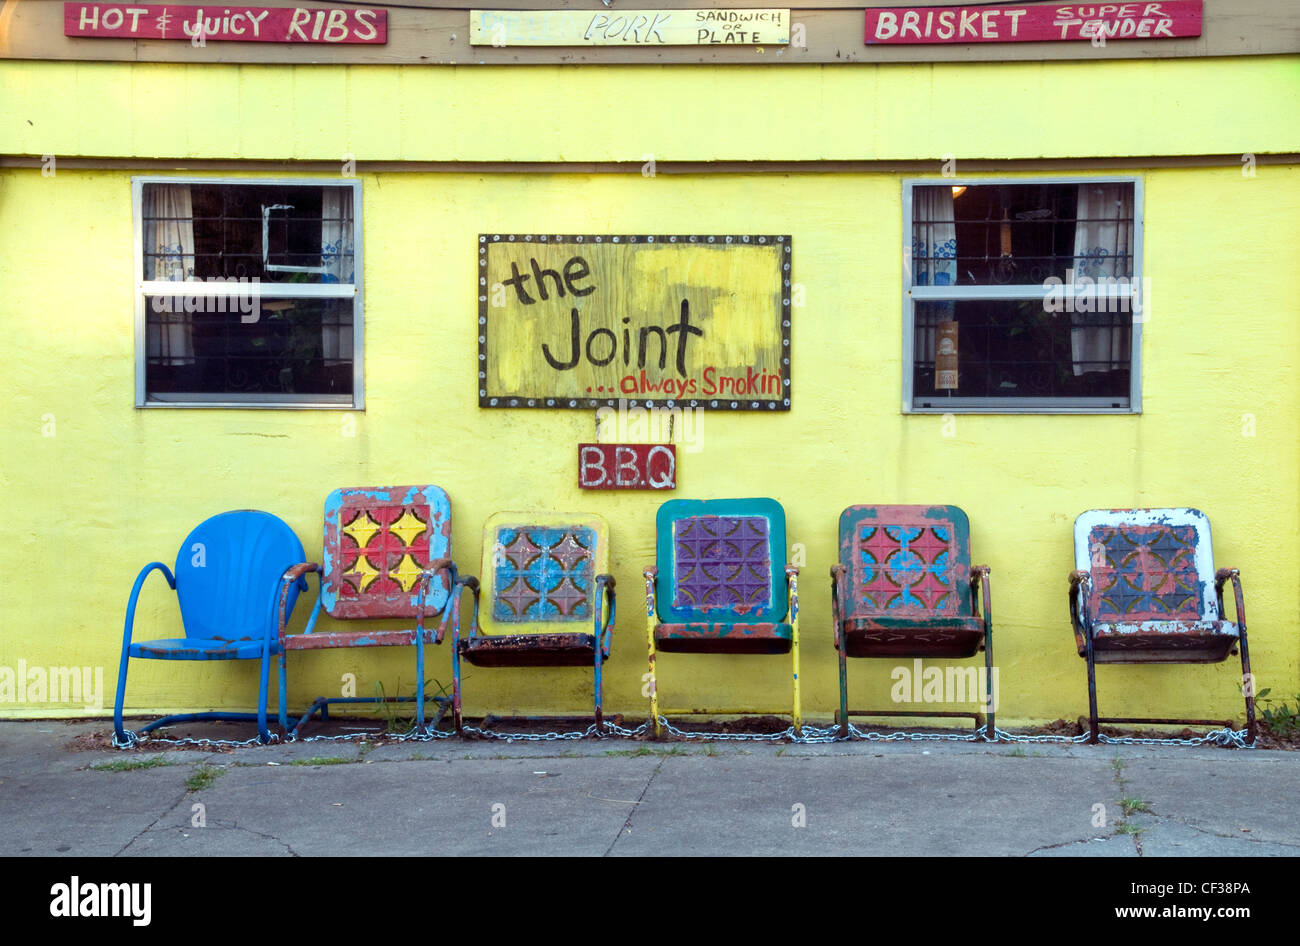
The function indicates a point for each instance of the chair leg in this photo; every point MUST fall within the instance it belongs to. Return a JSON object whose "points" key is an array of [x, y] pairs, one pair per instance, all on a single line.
{"points": [[844, 693], [263, 692], [654, 684], [118, 731], [455, 686], [1093, 727], [798, 709], [990, 706], [284, 691], [419, 683], [598, 688], [1249, 685]]}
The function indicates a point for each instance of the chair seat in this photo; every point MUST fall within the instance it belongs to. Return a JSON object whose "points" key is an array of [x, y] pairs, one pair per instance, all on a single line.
{"points": [[879, 636], [1163, 642], [723, 638], [326, 640], [199, 648], [530, 650]]}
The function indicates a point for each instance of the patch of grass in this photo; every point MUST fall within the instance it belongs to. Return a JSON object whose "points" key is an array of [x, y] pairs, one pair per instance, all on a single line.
{"points": [[1131, 805], [322, 760], [783, 750], [1284, 721], [648, 750], [130, 765], [1018, 753], [203, 776], [1123, 827]]}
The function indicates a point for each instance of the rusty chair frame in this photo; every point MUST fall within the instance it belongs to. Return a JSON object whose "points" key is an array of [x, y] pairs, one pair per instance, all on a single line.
{"points": [[875, 615], [1203, 637], [540, 585]]}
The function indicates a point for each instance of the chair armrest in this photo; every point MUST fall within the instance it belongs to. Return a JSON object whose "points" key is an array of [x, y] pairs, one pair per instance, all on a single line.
{"points": [[1080, 586], [452, 609], [603, 634], [298, 573], [979, 579], [651, 595], [129, 626], [839, 593], [1222, 576]]}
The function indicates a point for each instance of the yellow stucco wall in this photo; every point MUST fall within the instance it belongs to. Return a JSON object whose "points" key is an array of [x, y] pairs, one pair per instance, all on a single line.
{"points": [[116, 487]]}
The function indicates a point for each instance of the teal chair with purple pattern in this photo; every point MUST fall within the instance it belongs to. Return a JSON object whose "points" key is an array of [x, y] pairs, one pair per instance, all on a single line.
{"points": [[720, 586]]}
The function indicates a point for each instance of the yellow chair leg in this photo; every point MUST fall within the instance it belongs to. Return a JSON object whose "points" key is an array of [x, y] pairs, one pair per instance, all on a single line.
{"points": [[652, 681]]}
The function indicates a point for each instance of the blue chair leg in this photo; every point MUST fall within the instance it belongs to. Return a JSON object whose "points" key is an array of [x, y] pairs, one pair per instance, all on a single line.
{"points": [[419, 683], [284, 691], [120, 737], [599, 692], [263, 690]]}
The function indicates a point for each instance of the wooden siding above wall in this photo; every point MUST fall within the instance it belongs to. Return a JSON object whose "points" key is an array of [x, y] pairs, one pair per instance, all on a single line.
{"points": [[832, 31]]}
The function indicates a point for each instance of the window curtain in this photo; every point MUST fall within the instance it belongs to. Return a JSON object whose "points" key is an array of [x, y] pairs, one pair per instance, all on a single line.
{"points": [[169, 256], [1103, 247], [337, 257], [934, 260]]}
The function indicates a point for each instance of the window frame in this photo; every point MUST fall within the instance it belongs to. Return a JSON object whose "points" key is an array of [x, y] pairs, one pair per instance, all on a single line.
{"points": [[1014, 405], [245, 401]]}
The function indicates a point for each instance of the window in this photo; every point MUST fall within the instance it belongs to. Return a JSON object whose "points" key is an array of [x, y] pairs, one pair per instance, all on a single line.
{"points": [[248, 293], [1023, 295]]}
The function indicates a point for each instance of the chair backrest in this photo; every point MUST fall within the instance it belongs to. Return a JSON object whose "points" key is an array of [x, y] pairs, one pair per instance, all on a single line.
{"points": [[538, 571], [378, 540], [1147, 564], [721, 561], [228, 574], [906, 561]]}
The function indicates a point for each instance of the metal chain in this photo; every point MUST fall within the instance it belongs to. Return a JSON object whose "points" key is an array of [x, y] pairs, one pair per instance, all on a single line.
{"points": [[1004, 736], [1219, 737], [898, 736], [811, 735], [134, 739]]}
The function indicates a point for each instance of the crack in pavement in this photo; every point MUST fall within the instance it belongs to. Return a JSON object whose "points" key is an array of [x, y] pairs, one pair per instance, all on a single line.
{"points": [[163, 814], [627, 825], [1215, 834], [1049, 847]]}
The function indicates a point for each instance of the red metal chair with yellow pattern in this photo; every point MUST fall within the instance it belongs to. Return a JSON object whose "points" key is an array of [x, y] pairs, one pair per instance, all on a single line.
{"points": [[387, 554]]}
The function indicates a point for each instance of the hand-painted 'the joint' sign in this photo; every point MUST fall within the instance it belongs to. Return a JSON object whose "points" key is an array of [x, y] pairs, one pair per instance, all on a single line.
{"points": [[627, 466]]}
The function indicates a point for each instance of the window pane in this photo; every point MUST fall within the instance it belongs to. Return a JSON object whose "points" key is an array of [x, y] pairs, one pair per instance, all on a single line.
{"points": [[1014, 348], [272, 233], [216, 346], [1021, 234]]}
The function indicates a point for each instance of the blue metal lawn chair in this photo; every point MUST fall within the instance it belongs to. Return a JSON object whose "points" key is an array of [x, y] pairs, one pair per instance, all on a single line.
{"points": [[227, 582]]}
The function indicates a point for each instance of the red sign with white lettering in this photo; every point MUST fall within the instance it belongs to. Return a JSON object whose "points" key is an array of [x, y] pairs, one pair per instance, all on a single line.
{"points": [[627, 466], [226, 23], [1093, 22]]}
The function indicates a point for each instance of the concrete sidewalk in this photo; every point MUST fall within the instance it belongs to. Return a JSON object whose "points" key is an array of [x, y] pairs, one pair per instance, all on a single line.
{"points": [[625, 797]]}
